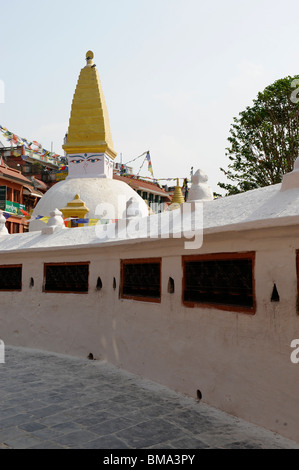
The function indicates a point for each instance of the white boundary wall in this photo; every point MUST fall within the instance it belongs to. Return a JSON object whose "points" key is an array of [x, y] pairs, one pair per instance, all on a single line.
{"points": [[241, 363]]}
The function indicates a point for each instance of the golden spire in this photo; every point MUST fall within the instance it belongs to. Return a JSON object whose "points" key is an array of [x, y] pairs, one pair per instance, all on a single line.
{"points": [[89, 128], [178, 195]]}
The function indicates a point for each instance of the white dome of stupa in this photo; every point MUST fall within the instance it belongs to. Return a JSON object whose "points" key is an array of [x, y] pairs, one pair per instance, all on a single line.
{"points": [[98, 194]]}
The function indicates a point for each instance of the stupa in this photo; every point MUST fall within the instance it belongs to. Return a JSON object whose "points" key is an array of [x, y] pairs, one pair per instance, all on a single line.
{"points": [[90, 153]]}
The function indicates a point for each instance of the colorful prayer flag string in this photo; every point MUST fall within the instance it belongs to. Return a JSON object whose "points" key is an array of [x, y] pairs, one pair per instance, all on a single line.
{"points": [[15, 139]]}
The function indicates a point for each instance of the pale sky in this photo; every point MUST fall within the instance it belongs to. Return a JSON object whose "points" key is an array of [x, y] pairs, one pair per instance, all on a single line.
{"points": [[174, 72]]}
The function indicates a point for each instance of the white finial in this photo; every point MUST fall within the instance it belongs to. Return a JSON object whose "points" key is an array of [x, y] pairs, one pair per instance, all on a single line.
{"points": [[3, 229], [200, 190], [296, 164], [56, 219], [55, 222], [291, 180]]}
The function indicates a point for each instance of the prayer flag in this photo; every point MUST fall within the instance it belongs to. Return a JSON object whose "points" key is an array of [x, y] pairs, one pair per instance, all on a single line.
{"points": [[93, 221], [150, 168], [82, 221], [43, 219], [25, 213]]}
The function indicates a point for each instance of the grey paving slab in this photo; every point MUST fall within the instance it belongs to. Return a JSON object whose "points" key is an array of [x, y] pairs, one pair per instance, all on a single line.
{"points": [[52, 401]]}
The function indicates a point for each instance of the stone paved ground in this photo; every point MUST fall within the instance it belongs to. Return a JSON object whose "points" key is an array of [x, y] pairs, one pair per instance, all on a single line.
{"points": [[51, 401]]}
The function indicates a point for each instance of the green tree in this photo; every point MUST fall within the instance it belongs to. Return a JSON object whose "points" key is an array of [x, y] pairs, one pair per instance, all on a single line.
{"points": [[264, 139]]}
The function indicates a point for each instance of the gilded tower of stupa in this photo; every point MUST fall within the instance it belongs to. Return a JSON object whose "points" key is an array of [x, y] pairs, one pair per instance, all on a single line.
{"points": [[89, 145]]}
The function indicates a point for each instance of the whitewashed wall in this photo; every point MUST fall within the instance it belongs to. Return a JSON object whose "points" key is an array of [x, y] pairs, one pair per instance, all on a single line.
{"points": [[240, 362]]}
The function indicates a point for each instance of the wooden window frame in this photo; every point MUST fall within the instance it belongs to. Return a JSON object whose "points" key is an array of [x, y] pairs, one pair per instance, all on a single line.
{"points": [[17, 196], [12, 266], [124, 262], [73, 263], [250, 255]]}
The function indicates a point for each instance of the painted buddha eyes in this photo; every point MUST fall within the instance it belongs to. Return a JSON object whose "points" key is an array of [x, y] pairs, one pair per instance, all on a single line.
{"points": [[90, 159], [77, 160], [93, 159]]}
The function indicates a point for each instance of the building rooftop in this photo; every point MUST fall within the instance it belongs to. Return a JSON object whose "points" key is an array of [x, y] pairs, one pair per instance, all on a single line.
{"points": [[13, 174], [139, 183]]}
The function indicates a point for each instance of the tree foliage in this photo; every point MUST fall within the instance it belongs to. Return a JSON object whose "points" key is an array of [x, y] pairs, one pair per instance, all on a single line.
{"points": [[264, 139]]}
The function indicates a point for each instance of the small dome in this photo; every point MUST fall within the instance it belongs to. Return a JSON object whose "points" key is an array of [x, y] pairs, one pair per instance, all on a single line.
{"points": [[99, 195]]}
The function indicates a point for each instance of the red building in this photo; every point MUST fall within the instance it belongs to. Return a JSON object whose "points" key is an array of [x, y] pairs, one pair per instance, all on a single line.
{"points": [[17, 194]]}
